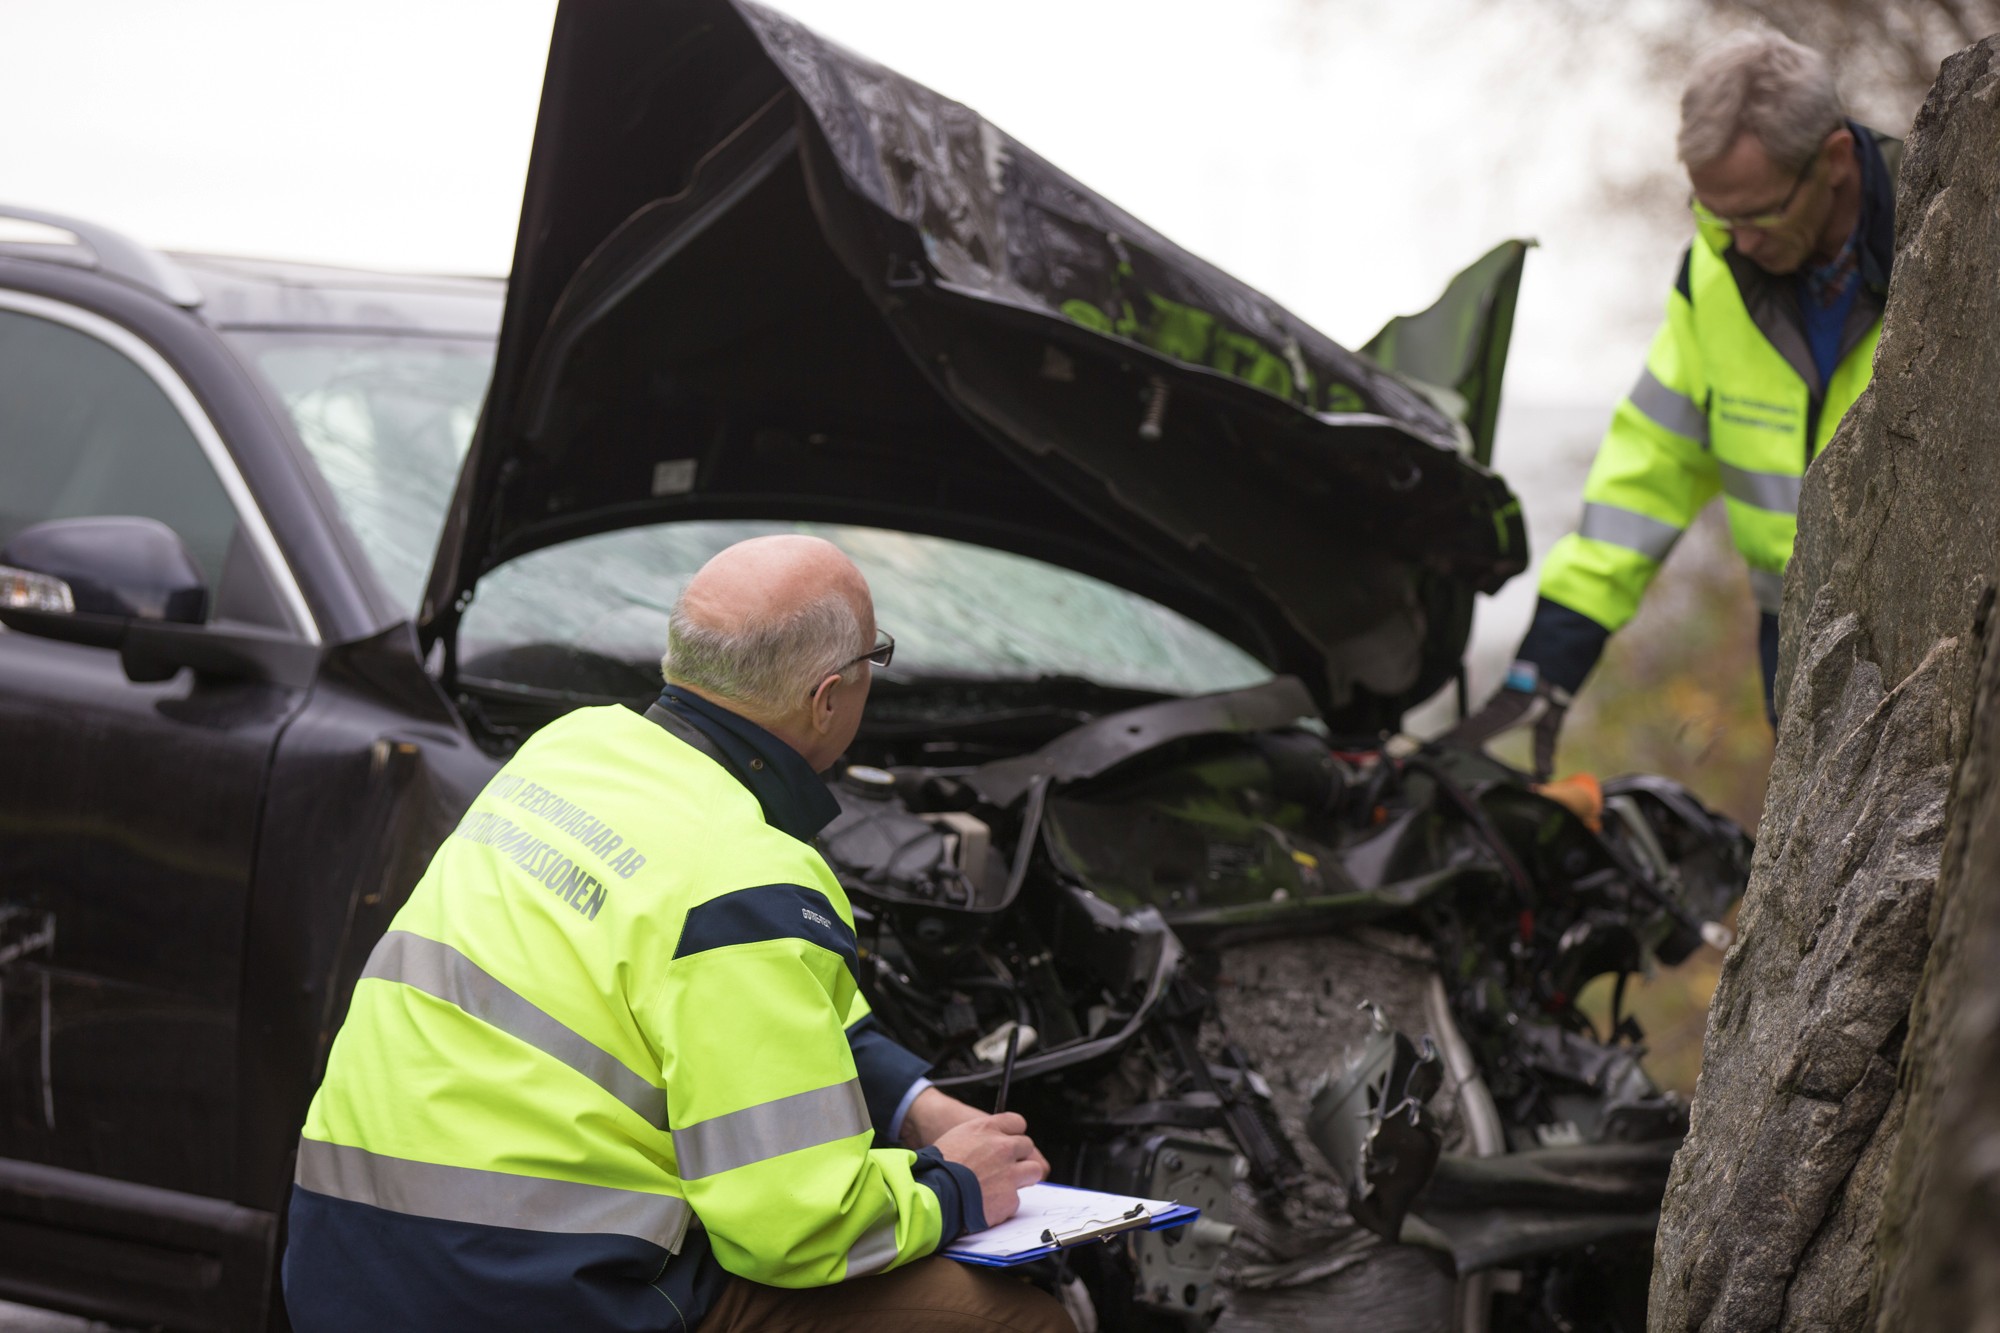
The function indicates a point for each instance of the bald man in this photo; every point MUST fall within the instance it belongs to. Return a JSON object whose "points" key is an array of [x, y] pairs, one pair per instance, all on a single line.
{"points": [[610, 1069]]}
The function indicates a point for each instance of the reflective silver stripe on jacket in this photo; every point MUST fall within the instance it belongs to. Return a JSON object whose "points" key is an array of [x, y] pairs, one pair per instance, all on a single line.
{"points": [[1635, 532], [1669, 410], [1776, 491], [1769, 590], [490, 1198], [438, 969], [876, 1249], [771, 1129]]}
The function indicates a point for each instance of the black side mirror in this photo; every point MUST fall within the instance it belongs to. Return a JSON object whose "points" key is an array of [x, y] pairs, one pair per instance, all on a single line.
{"points": [[130, 584], [128, 568]]}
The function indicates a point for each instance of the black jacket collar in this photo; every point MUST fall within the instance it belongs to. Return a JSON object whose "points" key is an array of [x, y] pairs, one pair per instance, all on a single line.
{"points": [[1878, 206], [794, 799]]}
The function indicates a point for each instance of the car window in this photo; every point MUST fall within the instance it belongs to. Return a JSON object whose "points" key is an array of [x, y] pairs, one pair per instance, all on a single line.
{"points": [[955, 609], [387, 418], [86, 433]]}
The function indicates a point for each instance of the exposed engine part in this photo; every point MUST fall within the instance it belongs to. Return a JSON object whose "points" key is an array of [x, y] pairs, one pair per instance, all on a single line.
{"points": [[1485, 1135], [1076, 1303], [992, 1048], [869, 782], [1371, 1122], [1176, 1270], [1099, 904], [968, 847], [946, 857]]}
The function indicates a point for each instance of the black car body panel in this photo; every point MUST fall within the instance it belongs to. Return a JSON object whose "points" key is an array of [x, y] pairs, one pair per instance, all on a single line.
{"points": [[202, 831], [368, 781], [759, 275]]}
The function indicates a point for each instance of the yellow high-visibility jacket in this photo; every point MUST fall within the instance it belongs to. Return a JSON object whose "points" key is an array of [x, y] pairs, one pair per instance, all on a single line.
{"points": [[1730, 401], [610, 1030]]}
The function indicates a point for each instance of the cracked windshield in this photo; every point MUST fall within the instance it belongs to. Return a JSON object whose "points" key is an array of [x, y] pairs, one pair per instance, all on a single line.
{"points": [[388, 420]]}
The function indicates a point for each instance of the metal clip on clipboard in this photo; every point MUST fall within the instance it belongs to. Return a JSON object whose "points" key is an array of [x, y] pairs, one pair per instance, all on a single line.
{"points": [[1130, 1220], [1054, 1216]]}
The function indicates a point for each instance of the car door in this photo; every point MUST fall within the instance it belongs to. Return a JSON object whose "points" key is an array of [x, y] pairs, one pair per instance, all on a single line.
{"points": [[128, 811]]}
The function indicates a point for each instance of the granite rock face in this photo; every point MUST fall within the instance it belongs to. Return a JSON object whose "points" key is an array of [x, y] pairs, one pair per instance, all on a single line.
{"points": [[1940, 1231], [1815, 1191]]}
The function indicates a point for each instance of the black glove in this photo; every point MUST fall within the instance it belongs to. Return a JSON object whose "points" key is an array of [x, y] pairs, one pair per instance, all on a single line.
{"points": [[1526, 700]]}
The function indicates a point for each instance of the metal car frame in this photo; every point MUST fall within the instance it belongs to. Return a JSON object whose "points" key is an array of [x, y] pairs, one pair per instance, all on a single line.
{"points": [[270, 804]]}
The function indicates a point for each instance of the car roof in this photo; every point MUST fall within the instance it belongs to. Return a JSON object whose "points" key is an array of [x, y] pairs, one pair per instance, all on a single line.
{"points": [[239, 292], [245, 293]]}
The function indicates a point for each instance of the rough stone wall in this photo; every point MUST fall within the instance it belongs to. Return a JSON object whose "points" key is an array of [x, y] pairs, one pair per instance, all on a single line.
{"points": [[1938, 1256], [1940, 1231], [1799, 1201]]}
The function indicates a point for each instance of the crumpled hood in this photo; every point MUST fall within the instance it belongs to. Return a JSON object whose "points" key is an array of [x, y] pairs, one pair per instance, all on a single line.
{"points": [[759, 276]]}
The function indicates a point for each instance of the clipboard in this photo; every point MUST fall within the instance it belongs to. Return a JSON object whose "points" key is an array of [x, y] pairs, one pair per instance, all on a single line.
{"points": [[1090, 1216]]}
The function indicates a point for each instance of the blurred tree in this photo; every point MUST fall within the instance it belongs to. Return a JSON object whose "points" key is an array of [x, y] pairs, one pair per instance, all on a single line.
{"points": [[1885, 55], [1885, 52]]}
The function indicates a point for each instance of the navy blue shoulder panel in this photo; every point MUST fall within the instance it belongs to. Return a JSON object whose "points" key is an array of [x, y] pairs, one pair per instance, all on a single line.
{"points": [[1682, 282], [351, 1266], [768, 912]]}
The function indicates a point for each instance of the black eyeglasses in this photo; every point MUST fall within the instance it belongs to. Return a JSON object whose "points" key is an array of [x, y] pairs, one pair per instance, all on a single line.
{"points": [[881, 654]]}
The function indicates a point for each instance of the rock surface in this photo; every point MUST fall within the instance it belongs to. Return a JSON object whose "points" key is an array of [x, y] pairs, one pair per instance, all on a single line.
{"points": [[1814, 1191], [1941, 1220]]}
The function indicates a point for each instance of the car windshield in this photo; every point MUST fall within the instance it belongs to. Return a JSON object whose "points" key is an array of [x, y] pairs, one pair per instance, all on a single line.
{"points": [[387, 419], [955, 609]]}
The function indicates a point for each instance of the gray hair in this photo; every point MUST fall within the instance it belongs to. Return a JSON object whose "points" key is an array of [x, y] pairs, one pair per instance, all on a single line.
{"points": [[1763, 83], [768, 666]]}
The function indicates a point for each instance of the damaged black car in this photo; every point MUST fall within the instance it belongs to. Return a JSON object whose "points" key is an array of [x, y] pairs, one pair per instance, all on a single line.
{"points": [[1131, 829]]}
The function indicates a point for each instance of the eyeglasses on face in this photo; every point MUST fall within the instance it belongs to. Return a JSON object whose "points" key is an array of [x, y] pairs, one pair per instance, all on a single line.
{"points": [[1717, 230], [880, 655]]}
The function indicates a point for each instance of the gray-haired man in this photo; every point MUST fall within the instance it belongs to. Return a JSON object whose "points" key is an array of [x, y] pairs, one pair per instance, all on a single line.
{"points": [[665, 1105], [1769, 338]]}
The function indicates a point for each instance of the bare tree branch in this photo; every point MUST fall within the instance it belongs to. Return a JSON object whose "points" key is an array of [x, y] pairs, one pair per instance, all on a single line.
{"points": [[1886, 52]]}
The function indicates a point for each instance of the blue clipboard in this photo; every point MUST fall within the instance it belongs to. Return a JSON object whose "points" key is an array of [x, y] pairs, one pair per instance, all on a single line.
{"points": [[1052, 1242]]}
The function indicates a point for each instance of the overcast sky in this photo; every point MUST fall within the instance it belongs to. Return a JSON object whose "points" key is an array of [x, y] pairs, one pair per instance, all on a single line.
{"points": [[1345, 156]]}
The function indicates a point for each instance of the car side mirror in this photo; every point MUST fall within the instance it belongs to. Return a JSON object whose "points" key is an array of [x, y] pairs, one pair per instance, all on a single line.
{"points": [[128, 568], [88, 580], [130, 584]]}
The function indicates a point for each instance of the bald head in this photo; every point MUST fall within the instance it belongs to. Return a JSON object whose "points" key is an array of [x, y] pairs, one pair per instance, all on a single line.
{"points": [[761, 625], [767, 580]]}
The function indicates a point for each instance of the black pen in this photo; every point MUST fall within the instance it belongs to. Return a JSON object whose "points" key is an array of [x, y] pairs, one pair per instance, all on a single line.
{"points": [[1007, 1069]]}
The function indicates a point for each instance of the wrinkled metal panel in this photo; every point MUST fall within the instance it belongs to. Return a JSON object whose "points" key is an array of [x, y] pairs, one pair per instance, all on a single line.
{"points": [[808, 288], [1001, 222]]}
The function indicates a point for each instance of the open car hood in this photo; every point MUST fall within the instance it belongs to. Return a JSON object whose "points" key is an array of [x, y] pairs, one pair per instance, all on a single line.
{"points": [[758, 276]]}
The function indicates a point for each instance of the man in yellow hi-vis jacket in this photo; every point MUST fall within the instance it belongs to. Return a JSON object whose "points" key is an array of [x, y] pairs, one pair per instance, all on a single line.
{"points": [[1769, 338], [609, 1069]]}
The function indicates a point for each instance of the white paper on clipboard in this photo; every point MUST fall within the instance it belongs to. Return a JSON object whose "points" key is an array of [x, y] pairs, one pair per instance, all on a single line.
{"points": [[1059, 1211]]}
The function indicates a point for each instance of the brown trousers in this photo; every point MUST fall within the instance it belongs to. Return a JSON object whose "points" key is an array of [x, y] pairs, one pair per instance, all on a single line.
{"points": [[929, 1296]]}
